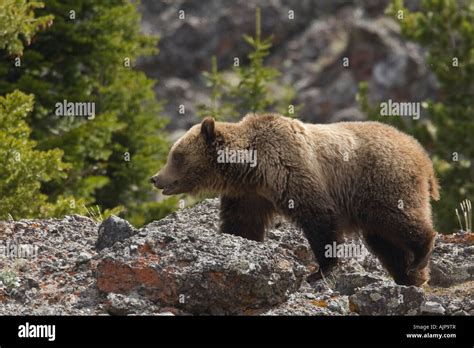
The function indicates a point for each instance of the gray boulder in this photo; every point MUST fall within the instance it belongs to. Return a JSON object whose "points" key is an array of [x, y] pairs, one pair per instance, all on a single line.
{"points": [[387, 298], [432, 308], [452, 261], [184, 263], [112, 230]]}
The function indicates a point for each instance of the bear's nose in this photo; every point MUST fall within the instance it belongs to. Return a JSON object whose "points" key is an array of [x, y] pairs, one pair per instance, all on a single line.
{"points": [[154, 180]]}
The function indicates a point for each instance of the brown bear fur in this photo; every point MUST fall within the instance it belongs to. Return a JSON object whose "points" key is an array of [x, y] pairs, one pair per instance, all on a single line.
{"points": [[330, 179]]}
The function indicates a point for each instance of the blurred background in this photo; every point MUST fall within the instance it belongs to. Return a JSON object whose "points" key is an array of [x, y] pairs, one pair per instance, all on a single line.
{"points": [[154, 68], [307, 51]]}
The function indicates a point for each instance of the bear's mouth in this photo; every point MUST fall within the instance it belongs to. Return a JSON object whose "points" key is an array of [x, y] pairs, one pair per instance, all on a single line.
{"points": [[170, 188]]}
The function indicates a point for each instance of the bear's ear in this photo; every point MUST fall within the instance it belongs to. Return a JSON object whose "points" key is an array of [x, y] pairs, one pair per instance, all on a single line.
{"points": [[208, 129]]}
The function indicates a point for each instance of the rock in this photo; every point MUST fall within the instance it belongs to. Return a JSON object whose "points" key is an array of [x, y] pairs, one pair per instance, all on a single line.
{"points": [[452, 308], [307, 50], [187, 45], [432, 308], [293, 243], [112, 230], [50, 283], [303, 302], [183, 265], [347, 283], [181, 93], [387, 298], [462, 313], [452, 261], [119, 304], [375, 53], [83, 257], [31, 283], [348, 114]]}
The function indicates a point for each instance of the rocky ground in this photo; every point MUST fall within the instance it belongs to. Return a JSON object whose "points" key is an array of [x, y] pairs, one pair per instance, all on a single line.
{"points": [[181, 265]]}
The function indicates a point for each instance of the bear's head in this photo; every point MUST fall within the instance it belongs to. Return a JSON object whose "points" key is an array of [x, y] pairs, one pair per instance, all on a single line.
{"points": [[187, 169]]}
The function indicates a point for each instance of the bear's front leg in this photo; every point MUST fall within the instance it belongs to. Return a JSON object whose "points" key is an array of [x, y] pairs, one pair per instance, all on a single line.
{"points": [[320, 228], [246, 216]]}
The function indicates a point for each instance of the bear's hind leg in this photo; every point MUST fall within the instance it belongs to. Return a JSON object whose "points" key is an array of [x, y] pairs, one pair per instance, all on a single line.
{"points": [[245, 216]]}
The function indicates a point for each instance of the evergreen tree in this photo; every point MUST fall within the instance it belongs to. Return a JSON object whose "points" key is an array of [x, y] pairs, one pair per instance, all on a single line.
{"points": [[252, 93], [220, 107], [254, 90], [24, 168], [18, 24], [88, 55]]}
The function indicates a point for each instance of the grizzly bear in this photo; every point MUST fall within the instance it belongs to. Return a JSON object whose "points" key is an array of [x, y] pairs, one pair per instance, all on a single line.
{"points": [[329, 179]]}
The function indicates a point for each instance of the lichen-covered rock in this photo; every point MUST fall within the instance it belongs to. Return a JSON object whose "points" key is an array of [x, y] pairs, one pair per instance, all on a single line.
{"points": [[292, 243], [432, 308], [456, 300], [181, 265], [452, 261], [57, 278], [309, 301], [198, 269], [112, 230], [384, 298], [348, 283], [119, 304]]}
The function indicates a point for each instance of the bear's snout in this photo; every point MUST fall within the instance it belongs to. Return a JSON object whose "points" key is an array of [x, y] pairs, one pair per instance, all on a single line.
{"points": [[155, 180], [168, 186]]}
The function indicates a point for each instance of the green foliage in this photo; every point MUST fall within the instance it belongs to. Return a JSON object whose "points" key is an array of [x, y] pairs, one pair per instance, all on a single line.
{"points": [[254, 91], [446, 29], [24, 168], [18, 24], [9, 279], [88, 56], [220, 107], [96, 214]]}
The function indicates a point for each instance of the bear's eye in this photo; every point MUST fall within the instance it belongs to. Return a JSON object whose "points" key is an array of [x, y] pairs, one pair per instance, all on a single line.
{"points": [[177, 158]]}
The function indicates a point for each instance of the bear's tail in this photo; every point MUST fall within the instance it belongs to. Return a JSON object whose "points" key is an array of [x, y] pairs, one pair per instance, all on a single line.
{"points": [[434, 187]]}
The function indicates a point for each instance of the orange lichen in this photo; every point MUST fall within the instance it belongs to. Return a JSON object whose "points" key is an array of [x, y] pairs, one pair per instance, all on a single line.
{"points": [[465, 238], [319, 303], [121, 278], [353, 307], [145, 249]]}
